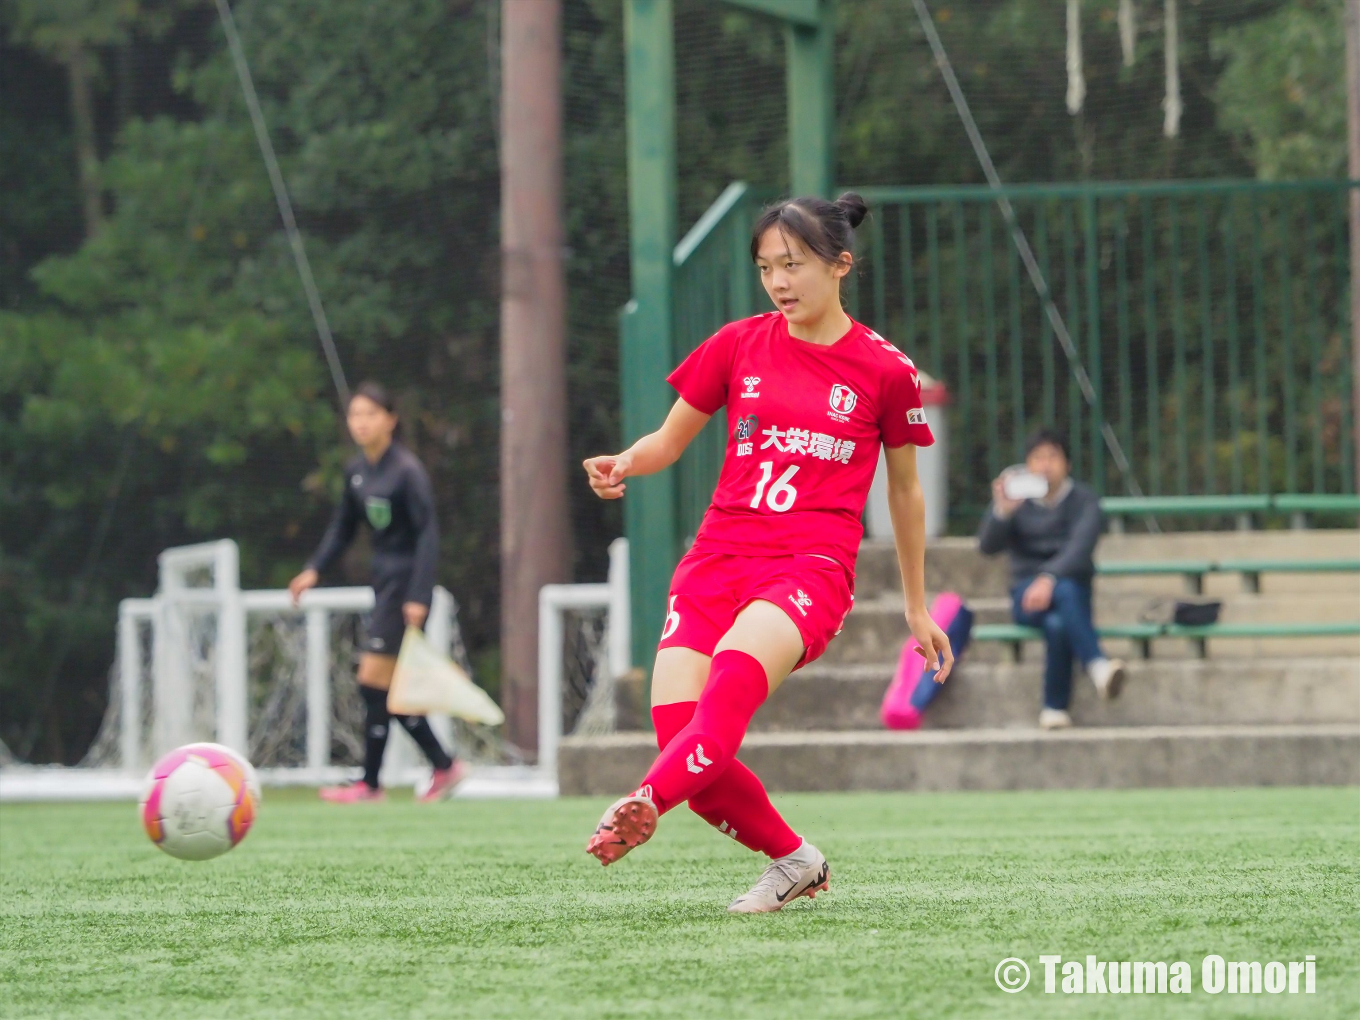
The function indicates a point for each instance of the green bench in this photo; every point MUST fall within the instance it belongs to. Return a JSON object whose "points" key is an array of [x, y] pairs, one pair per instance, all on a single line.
{"points": [[1251, 570], [1295, 504], [1145, 633]]}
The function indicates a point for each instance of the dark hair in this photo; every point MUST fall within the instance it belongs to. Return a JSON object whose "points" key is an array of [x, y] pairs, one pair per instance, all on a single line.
{"points": [[1047, 437], [375, 392], [825, 228]]}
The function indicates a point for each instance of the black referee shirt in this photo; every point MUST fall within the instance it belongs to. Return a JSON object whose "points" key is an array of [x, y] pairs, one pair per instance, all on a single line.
{"points": [[394, 498]]}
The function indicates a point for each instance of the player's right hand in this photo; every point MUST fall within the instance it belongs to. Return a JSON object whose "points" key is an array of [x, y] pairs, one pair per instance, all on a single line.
{"points": [[306, 579], [607, 473]]}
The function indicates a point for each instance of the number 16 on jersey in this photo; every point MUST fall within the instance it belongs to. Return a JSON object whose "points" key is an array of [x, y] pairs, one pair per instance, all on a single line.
{"points": [[781, 494]]}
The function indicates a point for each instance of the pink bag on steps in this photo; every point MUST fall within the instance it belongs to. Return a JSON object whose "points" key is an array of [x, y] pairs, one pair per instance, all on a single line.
{"points": [[912, 689]]}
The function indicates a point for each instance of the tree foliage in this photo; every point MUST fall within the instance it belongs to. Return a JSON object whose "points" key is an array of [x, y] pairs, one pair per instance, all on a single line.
{"points": [[160, 381], [1284, 89]]}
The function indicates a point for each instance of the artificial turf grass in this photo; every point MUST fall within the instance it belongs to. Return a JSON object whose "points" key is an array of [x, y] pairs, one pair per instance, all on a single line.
{"points": [[493, 909]]}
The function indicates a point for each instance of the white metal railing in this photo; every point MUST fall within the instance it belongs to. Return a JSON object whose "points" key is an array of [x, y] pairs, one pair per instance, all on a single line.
{"points": [[171, 691], [167, 614], [553, 601]]}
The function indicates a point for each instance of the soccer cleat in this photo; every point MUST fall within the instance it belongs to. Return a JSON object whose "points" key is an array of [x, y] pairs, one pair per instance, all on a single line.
{"points": [[628, 822], [1108, 676], [802, 873], [1054, 719], [351, 793], [443, 782]]}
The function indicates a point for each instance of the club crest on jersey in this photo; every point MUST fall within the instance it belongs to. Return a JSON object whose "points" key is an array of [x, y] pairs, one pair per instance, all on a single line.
{"points": [[843, 401], [746, 427], [916, 416], [379, 512], [751, 382]]}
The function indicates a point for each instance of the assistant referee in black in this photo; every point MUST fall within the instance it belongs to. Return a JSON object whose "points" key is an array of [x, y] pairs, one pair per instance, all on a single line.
{"points": [[387, 488]]}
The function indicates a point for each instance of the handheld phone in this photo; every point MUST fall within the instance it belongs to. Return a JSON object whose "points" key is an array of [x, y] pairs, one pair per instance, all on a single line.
{"points": [[1020, 484]]}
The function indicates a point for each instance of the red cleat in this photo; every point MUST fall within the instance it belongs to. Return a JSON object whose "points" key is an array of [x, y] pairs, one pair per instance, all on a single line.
{"points": [[628, 822], [351, 793], [443, 782]]}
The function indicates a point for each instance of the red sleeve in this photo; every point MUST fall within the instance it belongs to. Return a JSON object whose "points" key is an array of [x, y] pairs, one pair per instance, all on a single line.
{"points": [[902, 415], [702, 377]]}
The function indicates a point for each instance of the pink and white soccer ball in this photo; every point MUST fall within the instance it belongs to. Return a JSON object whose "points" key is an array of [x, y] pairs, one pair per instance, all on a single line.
{"points": [[199, 801]]}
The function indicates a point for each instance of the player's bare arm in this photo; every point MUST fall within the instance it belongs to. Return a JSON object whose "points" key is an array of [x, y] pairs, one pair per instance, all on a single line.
{"points": [[654, 452], [907, 506]]}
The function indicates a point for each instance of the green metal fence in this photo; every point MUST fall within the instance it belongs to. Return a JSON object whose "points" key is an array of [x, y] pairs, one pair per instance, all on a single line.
{"points": [[1212, 317], [715, 283]]}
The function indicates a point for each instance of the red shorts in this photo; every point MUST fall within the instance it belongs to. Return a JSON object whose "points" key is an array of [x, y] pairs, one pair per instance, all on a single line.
{"points": [[710, 589]]}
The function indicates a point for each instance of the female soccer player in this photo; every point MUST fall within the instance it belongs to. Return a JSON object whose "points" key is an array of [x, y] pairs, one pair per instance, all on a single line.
{"points": [[810, 396], [387, 487]]}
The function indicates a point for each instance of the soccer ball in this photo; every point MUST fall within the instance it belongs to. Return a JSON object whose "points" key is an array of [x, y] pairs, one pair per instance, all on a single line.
{"points": [[199, 801]]}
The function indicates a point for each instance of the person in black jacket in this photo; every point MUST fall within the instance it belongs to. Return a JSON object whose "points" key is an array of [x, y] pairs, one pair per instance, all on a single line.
{"points": [[1051, 541], [387, 489]]}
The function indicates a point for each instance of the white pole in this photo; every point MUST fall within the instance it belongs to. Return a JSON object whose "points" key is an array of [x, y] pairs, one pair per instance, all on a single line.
{"points": [[549, 678], [1076, 77], [439, 630], [130, 688], [318, 689], [171, 688], [233, 726], [1171, 127], [620, 609]]}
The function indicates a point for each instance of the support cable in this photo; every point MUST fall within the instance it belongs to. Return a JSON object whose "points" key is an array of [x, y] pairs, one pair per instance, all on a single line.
{"points": [[304, 268], [1036, 276]]}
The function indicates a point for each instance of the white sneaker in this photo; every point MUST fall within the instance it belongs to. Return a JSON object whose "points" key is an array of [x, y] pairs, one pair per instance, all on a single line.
{"points": [[1054, 719], [802, 873], [1108, 676]]}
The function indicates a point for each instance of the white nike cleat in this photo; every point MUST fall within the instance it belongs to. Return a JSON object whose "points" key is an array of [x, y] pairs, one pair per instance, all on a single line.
{"points": [[802, 873]]}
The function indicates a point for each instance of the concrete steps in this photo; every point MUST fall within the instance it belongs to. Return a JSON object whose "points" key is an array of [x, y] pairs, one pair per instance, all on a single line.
{"points": [[1190, 692], [1256, 712], [875, 629], [1002, 759], [954, 564]]}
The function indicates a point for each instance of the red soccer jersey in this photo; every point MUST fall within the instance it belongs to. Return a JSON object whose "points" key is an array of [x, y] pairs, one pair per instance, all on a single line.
{"points": [[805, 422]]}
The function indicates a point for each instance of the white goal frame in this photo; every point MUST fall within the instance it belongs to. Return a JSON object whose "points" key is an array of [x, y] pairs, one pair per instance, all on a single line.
{"points": [[554, 600], [171, 694], [167, 616]]}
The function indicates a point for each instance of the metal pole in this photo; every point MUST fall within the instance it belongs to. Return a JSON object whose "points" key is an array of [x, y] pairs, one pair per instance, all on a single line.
{"points": [[646, 352], [130, 687], [549, 678], [535, 515], [620, 625], [810, 67], [1353, 129], [318, 688], [233, 725]]}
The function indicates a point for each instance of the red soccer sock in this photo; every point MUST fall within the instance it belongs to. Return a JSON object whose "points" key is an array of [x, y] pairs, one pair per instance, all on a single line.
{"points": [[708, 743], [735, 803]]}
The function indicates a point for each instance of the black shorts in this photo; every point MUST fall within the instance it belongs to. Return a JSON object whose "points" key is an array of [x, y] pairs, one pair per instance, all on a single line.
{"points": [[386, 625]]}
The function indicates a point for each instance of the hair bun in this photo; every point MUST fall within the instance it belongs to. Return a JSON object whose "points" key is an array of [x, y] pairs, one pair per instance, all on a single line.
{"points": [[854, 208]]}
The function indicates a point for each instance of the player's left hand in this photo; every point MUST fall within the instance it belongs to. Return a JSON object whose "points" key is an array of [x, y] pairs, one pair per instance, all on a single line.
{"points": [[933, 642], [1038, 596], [414, 613]]}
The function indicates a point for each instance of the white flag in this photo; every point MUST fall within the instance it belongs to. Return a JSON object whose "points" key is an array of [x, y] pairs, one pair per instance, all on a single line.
{"points": [[427, 682]]}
